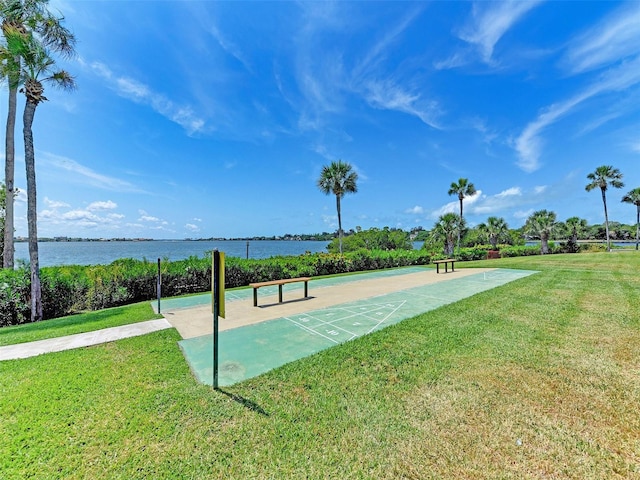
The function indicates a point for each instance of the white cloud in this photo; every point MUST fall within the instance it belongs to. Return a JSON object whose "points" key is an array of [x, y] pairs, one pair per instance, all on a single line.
{"points": [[55, 204], [417, 210], [85, 175], [615, 38], [528, 144], [388, 96], [108, 205], [138, 92], [491, 20], [510, 192], [192, 228]]}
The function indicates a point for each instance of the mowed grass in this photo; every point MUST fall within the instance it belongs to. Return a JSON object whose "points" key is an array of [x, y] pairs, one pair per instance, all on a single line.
{"points": [[81, 323], [539, 378]]}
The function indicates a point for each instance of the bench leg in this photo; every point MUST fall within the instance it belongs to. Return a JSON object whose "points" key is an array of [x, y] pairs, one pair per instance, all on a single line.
{"points": [[255, 297], [452, 267], [437, 268], [306, 290], [280, 293]]}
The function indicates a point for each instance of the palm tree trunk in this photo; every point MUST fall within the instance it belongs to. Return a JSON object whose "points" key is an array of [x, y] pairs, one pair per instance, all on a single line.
{"points": [[460, 229], [638, 227], [339, 222], [9, 168], [32, 213], [606, 219], [544, 244]]}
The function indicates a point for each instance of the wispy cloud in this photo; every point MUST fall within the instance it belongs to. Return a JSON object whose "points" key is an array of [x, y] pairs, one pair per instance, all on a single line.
{"points": [[389, 96], [230, 47], [85, 175], [528, 145], [487, 25], [615, 38], [138, 92]]}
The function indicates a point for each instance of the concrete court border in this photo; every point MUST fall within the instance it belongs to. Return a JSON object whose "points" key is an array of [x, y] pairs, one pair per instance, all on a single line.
{"points": [[297, 334]]}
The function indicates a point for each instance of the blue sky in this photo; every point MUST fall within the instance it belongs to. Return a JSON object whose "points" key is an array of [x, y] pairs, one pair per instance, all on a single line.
{"points": [[214, 119]]}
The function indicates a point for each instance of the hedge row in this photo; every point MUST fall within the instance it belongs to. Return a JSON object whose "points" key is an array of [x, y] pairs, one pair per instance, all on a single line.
{"points": [[71, 289]]}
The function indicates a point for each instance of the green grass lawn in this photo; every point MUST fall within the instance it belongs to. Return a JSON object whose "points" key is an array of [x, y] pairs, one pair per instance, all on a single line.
{"points": [[539, 378]]}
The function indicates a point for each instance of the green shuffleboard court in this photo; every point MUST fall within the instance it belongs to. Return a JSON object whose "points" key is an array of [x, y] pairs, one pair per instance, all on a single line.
{"points": [[249, 351]]}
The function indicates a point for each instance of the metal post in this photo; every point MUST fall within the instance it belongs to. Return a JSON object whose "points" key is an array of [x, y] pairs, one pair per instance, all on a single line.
{"points": [[214, 293], [247, 249], [159, 285]]}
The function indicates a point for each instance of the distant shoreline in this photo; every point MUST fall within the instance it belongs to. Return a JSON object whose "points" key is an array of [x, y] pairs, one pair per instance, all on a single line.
{"points": [[287, 238]]}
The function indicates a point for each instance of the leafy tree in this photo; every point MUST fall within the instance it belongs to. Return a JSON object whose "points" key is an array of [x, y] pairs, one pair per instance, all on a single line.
{"points": [[38, 68], [601, 178], [338, 178], [462, 189], [542, 224], [446, 230], [633, 197], [494, 230], [23, 17], [374, 239]]}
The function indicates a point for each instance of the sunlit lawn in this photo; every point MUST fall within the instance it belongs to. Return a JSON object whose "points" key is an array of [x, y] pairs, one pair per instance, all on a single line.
{"points": [[539, 378]]}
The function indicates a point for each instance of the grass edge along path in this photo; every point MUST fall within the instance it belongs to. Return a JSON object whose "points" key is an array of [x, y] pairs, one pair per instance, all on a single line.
{"points": [[539, 378]]}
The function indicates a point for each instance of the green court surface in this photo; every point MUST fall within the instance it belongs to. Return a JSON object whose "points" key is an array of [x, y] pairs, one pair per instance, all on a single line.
{"points": [[249, 351], [244, 293]]}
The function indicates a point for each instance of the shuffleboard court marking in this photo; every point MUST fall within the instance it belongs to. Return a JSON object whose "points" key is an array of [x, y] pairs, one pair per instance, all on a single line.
{"points": [[257, 348]]}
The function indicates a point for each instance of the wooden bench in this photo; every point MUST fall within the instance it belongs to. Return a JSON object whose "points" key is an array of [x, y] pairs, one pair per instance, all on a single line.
{"points": [[257, 285], [446, 262]]}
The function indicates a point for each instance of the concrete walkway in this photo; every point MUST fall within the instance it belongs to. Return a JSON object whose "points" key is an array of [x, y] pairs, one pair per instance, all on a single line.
{"points": [[32, 349]]}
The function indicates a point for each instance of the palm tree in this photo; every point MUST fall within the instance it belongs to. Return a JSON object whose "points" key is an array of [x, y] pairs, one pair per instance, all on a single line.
{"points": [[22, 16], [462, 189], [633, 197], [601, 178], [446, 229], [38, 67], [494, 230], [338, 178], [542, 224], [576, 227]]}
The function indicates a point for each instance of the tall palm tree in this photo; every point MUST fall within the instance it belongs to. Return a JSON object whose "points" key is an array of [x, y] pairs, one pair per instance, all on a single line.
{"points": [[541, 224], [338, 178], [494, 230], [446, 229], [38, 68], [462, 189], [633, 197], [601, 178], [23, 16]]}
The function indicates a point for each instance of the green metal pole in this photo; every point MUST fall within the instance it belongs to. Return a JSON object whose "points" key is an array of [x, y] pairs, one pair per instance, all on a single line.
{"points": [[216, 286]]}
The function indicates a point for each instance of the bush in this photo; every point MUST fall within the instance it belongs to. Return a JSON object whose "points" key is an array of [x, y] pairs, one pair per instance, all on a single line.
{"points": [[71, 289]]}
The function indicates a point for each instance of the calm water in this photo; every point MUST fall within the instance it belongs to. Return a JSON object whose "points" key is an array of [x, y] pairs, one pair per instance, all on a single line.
{"points": [[103, 253], [94, 253]]}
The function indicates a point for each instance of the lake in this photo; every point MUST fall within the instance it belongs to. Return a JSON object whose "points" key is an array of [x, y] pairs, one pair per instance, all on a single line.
{"points": [[102, 253]]}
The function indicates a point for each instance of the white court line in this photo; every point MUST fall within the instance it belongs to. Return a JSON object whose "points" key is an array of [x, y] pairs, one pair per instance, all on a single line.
{"points": [[387, 317], [324, 324], [312, 331]]}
